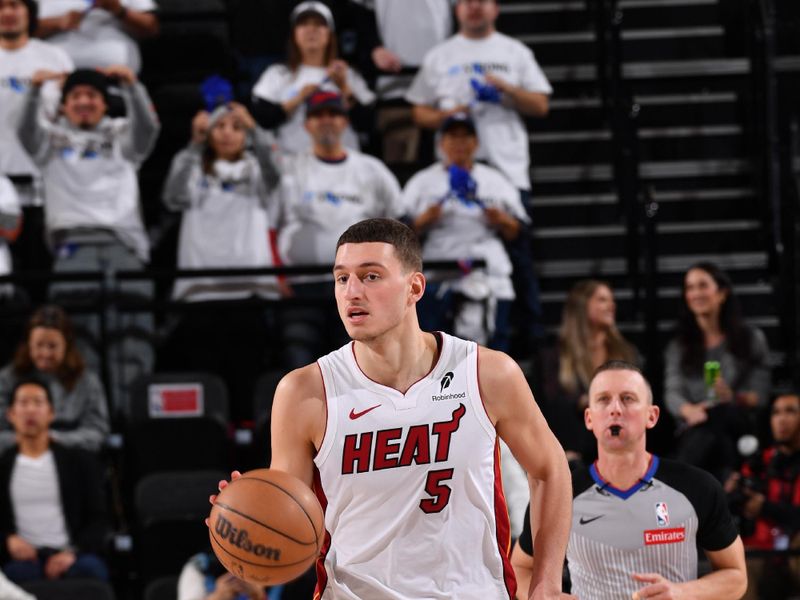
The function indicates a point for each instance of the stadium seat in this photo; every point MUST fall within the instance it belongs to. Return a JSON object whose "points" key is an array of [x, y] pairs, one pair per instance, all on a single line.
{"points": [[70, 589], [163, 588], [262, 412], [176, 421], [170, 509]]}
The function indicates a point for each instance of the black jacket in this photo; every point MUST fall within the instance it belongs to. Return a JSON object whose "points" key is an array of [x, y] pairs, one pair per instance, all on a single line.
{"points": [[82, 497]]}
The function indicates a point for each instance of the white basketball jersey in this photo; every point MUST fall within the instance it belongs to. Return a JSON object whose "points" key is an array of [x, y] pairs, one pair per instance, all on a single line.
{"points": [[410, 484]]}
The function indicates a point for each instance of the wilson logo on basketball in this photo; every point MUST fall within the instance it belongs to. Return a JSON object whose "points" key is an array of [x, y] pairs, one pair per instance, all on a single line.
{"points": [[664, 536], [241, 539]]}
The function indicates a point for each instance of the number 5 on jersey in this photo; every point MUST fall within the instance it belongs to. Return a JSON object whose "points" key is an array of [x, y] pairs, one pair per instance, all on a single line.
{"points": [[439, 491]]}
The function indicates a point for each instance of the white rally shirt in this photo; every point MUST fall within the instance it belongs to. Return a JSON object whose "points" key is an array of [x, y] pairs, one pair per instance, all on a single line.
{"points": [[319, 200], [16, 70], [101, 39], [411, 486], [444, 82], [278, 84], [463, 231]]}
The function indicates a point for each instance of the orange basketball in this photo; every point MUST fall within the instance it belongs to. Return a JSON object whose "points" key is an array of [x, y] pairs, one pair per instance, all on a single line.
{"points": [[266, 527]]}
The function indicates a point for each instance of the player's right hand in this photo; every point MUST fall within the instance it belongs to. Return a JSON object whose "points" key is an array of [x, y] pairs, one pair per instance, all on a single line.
{"points": [[222, 485]]}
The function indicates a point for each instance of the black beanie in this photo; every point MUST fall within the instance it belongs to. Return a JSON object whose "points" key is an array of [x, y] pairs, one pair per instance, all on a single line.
{"points": [[33, 15], [90, 77]]}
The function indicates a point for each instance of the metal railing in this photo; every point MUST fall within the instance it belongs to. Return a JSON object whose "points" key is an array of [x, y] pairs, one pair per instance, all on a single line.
{"points": [[108, 297], [637, 208]]}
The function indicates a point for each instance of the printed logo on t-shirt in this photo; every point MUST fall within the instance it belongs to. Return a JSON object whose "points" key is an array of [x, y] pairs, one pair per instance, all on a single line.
{"points": [[664, 536], [662, 514], [15, 84]]}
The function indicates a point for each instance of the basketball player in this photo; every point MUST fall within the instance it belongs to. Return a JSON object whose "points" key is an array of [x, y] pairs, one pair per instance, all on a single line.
{"points": [[637, 519], [398, 434]]}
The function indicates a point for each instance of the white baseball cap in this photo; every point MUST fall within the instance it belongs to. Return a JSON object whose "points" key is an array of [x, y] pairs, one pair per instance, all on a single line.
{"points": [[314, 7]]}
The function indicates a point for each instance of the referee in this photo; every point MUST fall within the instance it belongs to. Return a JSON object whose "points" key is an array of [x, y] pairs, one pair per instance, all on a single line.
{"points": [[637, 520]]}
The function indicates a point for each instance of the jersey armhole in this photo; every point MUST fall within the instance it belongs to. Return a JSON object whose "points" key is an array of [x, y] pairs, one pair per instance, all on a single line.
{"points": [[330, 416], [473, 383]]}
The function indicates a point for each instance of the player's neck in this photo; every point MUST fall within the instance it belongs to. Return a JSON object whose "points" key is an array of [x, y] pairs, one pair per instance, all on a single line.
{"points": [[624, 469], [399, 359]]}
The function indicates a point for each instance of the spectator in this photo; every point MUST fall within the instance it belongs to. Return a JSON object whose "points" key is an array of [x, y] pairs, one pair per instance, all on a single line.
{"points": [[493, 76], [204, 578], [711, 329], [588, 337], [49, 353], [20, 57], [223, 190], [101, 33], [281, 92], [766, 496], [498, 80], [465, 210], [396, 36], [323, 192], [88, 162], [52, 512]]}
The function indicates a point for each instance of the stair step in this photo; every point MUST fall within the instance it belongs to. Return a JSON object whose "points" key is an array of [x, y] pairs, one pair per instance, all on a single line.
{"points": [[647, 170], [681, 206], [676, 264]]}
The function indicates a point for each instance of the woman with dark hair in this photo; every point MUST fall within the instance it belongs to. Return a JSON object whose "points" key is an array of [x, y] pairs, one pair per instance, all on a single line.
{"points": [[279, 95], [79, 401], [588, 337], [716, 371]]}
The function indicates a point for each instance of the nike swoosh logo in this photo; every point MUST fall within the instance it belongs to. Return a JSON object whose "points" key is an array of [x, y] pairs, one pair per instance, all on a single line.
{"points": [[583, 521], [357, 415]]}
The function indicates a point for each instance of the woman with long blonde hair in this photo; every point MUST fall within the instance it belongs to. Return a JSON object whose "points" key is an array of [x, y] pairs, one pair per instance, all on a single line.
{"points": [[588, 337]]}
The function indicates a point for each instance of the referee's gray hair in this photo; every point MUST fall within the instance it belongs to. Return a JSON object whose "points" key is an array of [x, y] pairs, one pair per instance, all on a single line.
{"points": [[622, 365]]}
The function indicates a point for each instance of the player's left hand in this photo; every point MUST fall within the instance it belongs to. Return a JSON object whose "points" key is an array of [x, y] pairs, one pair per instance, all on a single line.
{"points": [[657, 588]]}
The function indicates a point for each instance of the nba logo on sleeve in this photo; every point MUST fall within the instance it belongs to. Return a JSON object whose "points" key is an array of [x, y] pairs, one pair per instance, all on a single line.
{"points": [[662, 515]]}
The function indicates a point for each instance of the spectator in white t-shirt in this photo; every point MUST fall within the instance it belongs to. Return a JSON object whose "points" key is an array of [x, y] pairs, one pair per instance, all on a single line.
{"points": [[462, 210], [397, 36], [89, 164], [279, 95], [498, 81], [494, 77], [99, 33], [223, 190], [20, 57], [323, 191]]}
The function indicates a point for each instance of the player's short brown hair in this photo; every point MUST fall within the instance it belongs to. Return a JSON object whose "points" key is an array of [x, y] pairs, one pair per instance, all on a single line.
{"points": [[390, 231], [622, 365]]}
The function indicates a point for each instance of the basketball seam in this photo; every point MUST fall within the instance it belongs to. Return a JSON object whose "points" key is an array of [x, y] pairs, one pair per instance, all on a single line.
{"points": [[269, 527], [310, 520], [256, 564]]}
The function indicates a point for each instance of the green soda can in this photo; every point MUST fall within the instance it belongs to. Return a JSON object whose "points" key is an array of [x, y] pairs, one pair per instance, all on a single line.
{"points": [[711, 372]]}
